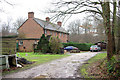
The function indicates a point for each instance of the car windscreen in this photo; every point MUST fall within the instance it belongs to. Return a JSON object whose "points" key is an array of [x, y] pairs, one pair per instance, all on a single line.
{"points": [[93, 46]]}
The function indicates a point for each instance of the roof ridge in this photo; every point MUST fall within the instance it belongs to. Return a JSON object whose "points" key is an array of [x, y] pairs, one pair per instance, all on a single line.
{"points": [[50, 25], [45, 21], [39, 19]]}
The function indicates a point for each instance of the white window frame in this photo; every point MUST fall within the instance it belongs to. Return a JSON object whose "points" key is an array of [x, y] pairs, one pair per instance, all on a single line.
{"points": [[55, 33], [60, 34], [51, 32], [20, 42], [36, 42], [45, 31], [63, 34]]}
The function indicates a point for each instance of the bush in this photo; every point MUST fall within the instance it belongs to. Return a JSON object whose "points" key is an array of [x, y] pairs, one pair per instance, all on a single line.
{"points": [[43, 44], [55, 45], [80, 46], [113, 67]]}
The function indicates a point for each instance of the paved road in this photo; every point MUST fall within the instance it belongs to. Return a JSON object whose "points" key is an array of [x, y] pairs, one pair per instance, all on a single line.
{"points": [[60, 68]]}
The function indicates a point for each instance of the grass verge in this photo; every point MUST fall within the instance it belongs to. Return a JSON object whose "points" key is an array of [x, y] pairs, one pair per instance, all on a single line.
{"points": [[37, 58], [83, 69]]}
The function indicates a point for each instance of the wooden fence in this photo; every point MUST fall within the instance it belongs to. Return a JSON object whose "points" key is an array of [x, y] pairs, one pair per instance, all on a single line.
{"points": [[8, 50]]}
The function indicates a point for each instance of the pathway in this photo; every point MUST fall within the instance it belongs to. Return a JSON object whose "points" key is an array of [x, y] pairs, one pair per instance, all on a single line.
{"points": [[60, 68]]}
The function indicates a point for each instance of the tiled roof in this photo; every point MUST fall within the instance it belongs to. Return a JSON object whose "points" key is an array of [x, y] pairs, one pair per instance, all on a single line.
{"points": [[50, 26]]}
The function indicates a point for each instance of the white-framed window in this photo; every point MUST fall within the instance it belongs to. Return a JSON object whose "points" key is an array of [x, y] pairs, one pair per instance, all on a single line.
{"points": [[20, 42], [63, 34], [36, 42], [60, 34], [51, 32], [45, 31], [55, 33]]}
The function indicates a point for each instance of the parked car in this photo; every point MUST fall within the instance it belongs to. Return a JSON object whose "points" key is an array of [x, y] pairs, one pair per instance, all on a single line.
{"points": [[95, 48], [72, 49]]}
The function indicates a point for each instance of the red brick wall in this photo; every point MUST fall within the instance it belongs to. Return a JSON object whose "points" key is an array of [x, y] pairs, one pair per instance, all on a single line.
{"points": [[28, 44], [31, 29], [63, 38]]}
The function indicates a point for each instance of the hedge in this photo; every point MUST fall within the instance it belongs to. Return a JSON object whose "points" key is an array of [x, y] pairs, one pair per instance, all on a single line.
{"points": [[80, 46]]}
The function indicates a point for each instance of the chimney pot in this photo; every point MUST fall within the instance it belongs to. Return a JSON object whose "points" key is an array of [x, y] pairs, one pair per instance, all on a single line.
{"points": [[47, 19], [30, 14], [59, 23]]}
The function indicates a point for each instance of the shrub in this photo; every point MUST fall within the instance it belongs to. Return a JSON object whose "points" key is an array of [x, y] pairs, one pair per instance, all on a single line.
{"points": [[55, 45], [80, 46], [113, 67], [43, 44]]}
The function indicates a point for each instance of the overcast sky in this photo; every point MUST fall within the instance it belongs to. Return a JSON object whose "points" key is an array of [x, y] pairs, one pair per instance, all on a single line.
{"points": [[22, 7]]}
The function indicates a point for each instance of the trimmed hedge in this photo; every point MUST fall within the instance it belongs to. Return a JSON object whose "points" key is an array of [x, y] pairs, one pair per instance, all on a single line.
{"points": [[80, 46]]}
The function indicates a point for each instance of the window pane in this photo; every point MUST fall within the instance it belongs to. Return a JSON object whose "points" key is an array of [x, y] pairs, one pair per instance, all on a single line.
{"points": [[60, 34], [55, 33], [45, 31], [20, 42], [51, 32]]}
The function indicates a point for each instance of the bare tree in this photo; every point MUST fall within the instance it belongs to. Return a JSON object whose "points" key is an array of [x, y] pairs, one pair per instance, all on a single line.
{"points": [[100, 29], [5, 2], [18, 23], [87, 32], [5, 29], [87, 25], [95, 7], [74, 27]]}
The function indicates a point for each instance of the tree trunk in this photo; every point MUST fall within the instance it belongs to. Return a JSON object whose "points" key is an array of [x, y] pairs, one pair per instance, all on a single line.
{"points": [[113, 27], [106, 17], [118, 31]]}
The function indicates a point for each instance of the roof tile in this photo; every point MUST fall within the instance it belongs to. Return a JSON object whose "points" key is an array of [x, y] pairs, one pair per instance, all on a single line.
{"points": [[50, 26]]}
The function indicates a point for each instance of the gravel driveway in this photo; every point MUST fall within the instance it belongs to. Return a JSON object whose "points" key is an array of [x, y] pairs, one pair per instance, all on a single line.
{"points": [[60, 68]]}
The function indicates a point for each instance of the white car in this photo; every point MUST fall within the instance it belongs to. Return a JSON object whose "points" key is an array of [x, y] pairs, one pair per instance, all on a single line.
{"points": [[95, 48]]}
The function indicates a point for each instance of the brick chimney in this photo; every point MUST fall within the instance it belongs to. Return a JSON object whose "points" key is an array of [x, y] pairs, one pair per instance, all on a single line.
{"points": [[30, 14], [47, 19], [59, 23]]}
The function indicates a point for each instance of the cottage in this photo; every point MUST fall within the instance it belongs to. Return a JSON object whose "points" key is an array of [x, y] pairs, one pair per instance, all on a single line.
{"points": [[33, 28]]}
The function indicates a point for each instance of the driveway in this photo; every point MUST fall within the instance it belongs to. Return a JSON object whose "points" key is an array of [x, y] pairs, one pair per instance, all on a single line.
{"points": [[60, 68]]}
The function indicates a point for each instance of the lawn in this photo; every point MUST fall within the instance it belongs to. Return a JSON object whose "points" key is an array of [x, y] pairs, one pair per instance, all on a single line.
{"points": [[97, 57], [40, 58], [37, 58], [83, 69]]}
